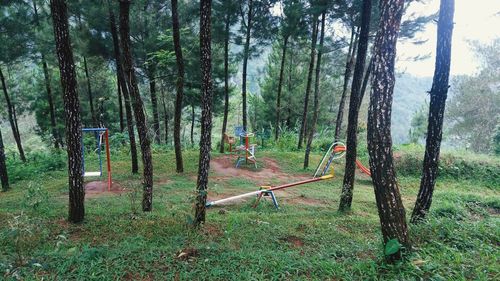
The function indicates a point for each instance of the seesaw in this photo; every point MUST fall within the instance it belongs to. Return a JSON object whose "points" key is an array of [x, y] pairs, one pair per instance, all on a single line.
{"points": [[268, 191]]}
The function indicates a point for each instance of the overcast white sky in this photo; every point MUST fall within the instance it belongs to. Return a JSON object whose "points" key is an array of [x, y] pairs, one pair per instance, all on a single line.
{"points": [[474, 20]]}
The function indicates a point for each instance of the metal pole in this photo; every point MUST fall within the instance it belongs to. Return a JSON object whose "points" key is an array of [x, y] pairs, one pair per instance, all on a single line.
{"points": [[108, 158]]}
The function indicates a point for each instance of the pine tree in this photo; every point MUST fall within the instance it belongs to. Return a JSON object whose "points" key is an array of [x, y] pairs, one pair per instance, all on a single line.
{"points": [[4, 177], [206, 115], [226, 9], [50, 99], [11, 111], [354, 103], [180, 88], [71, 109], [390, 206], [438, 95], [316, 93], [140, 117], [303, 123], [124, 90]]}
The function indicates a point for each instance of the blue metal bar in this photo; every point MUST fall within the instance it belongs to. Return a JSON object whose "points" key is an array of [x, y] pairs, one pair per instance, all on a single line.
{"points": [[99, 153], [83, 156], [94, 129], [99, 143]]}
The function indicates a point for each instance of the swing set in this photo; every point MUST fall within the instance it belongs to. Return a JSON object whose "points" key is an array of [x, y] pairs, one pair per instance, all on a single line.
{"points": [[102, 136]]}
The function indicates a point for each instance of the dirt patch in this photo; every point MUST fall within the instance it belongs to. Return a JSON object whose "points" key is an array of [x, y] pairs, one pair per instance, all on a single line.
{"points": [[294, 241], [100, 188], [267, 173], [268, 170]]}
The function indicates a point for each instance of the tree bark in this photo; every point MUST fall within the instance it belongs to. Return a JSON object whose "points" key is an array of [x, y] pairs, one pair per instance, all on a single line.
{"points": [[354, 102], [280, 84], [390, 206], [347, 77], [165, 115], [438, 95], [12, 118], [290, 89], [226, 79], [140, 117], [90, 95], [246, 55], [316, 93], [192, 125], [303, 123], [154, 102], [120, 104], [71, 110], [180, 88], [4, 178], [366, 79], [206, 115], [120, 75], [58, 142]]}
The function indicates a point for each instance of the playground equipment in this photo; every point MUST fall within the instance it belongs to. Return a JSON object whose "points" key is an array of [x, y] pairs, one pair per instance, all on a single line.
{"points": [[102, 134], [267, 191], [335, 151], [229, 140], [246, 151]]}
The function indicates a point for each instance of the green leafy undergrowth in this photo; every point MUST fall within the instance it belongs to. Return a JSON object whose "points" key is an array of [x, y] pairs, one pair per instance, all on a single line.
{"points": [[306, 239]]}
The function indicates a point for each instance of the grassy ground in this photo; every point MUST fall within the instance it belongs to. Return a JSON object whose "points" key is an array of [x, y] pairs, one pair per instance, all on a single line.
{"points": [[307, 239]]}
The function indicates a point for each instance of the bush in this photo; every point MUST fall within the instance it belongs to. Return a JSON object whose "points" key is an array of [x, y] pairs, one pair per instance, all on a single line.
{"points": [[456, 165], [37, 164]]}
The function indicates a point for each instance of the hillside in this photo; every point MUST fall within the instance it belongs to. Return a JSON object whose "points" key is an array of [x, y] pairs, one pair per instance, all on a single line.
{"points": [[410, 93]]}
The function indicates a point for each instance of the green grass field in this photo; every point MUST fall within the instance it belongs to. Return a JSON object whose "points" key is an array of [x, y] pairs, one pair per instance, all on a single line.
{"points": [[307, 239]]}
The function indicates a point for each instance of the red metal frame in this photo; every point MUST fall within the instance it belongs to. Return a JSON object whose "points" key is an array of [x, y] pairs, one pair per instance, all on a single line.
{"points": [[108, 158]]}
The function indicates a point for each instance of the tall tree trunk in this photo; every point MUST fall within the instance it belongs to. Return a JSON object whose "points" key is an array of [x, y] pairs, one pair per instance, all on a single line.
{"points": [[12, 118], [4, 178], [154, 102], [120, 75], [246, 55], [165, 115], [316, 93], [120, 104], [89, 92], [206, 115], [179, 86], [303, 123], [58, 142], [140, 117], [366, 79], [192, 125], [438, 95], [71, 110], [280, 84], [290, 89], [55, 135], [347, 76], [390, 206], [226, 79], [354, 102]]}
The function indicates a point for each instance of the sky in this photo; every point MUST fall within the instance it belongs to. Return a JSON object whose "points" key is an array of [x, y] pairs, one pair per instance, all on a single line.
{"points": [[475, 20]]}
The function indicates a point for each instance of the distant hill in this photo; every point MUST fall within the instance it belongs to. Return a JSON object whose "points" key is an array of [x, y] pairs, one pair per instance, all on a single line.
{"points": [[410, 93]]}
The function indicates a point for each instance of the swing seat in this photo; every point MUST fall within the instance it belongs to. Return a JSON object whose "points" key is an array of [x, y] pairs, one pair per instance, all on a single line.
{"points": [[92, 174]]}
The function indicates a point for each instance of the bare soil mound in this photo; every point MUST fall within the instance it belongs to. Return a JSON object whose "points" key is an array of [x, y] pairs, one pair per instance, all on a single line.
{"points": [[100, 188], [268, 170]]}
